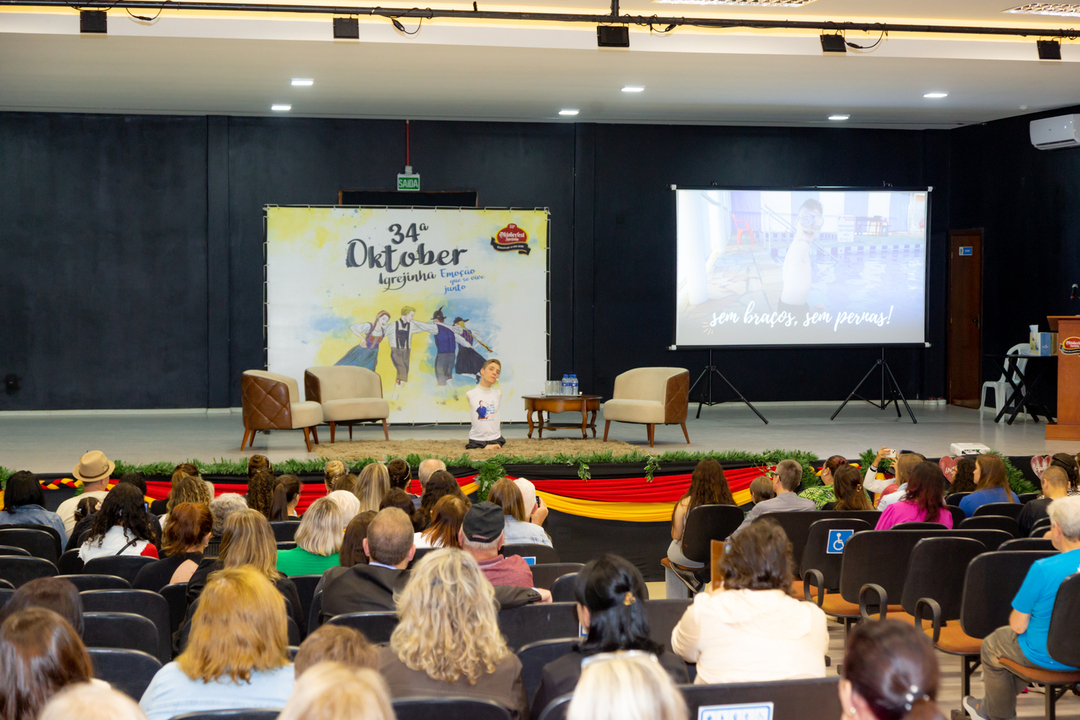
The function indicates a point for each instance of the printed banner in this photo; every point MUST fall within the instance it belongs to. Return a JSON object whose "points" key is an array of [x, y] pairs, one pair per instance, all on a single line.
{"points": [[419, 295]]}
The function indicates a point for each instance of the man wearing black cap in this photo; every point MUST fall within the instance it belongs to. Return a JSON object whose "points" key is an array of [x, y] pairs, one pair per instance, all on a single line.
{"points": [[481, 536]]}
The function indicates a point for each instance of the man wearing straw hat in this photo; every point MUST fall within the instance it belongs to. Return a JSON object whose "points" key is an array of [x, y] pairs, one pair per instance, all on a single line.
{"points": [[93, 470]]}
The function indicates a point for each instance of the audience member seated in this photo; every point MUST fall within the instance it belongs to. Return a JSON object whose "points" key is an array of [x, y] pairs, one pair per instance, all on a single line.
{"points": [[352, 546], [347, 501], [520, 526], [761, 489], [481, 536], [964, 479], [625, 686], [424, 472], [848, 489], [448, 641], [40, 653], [260, 494], [333, 470], [236, 655], [286, 498], [1023, 640], [160, 507], [823, 493], [333, 691], [120, 527], [60, 596], [372, 486], [1068, 463], [369, 587], [750, 629], [339, 644], [91, 701], [221, 508], [882, 486], [187, 490], [890, 672], [257, 463], [446, 518], [248, 540], [708, 486], [347, 483], [93, 472], [24, 502], [400, 474], [609, 592], [439, 484], [991, 484], [904, 465], [396, 497], [318, 541], [1055, 485], [923, 499], [186, 536], [785, 480], [87, 507]]}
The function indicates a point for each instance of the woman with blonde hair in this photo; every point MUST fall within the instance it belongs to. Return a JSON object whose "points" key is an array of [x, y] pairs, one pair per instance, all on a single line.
{"points": [[160, 507], [446, 519], [318, 540], [348, 502], [332, 691], [627, 685], [447, 641], [333, 470], [91, 701], [991, 484], [518, 527], [237, 653], [373, 485], [188, 489]]}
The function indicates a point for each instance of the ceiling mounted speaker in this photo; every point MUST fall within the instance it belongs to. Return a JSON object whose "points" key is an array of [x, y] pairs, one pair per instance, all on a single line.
{"points": [[1049, 49], [346, 29], [612, 36], [93, 21], [833, 44]]}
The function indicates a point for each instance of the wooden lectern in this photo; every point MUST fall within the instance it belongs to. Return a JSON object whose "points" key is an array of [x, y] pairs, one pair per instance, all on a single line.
{"points": [[1068, 392]]}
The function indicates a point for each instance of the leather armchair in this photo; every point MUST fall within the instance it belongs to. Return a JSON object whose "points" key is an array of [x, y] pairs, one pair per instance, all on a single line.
{"points": [[272, 402], [651, 396], [348, 395]]}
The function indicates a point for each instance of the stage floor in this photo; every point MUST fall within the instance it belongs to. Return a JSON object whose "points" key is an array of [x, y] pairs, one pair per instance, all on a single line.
{"points": [[53, 442]]}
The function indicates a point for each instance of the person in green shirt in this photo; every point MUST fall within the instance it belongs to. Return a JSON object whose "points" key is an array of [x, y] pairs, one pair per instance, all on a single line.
{"points": [[823, 493], [318, 540]]}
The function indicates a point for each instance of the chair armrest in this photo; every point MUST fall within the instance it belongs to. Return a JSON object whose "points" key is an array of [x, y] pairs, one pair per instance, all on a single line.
{"points": [[934, 608], [882, 600], [815, 579]]}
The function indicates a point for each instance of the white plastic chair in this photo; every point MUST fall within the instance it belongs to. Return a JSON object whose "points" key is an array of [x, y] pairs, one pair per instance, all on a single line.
{"points": [[1001, 387]]}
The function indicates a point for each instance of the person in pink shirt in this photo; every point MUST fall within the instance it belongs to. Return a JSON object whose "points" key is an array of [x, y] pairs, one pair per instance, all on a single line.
{"points": [[924, 500]]}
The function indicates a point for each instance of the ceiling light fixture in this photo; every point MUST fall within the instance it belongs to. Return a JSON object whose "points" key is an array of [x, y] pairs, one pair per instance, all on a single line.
{"points": [[633, 88], [839, 117], [569, 112], [346, 29], [280, 107], [1049, 49], [302, 82], [833, 44], [1060, 9], [935, 95]]}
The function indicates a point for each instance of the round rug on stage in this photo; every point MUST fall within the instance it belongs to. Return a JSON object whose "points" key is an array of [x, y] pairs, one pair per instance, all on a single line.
{"points": [[454, 448]]}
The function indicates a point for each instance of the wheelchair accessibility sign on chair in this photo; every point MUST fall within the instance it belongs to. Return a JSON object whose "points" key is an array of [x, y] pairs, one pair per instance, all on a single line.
{"points": [[837, 540], [749, 711]]}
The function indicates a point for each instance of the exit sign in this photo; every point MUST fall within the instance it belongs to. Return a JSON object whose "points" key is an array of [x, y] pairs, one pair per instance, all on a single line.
{"points": [[408, 181]]}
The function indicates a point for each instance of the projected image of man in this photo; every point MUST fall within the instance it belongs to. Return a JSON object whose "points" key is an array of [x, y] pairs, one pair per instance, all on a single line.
{"points": [[797, 272]]}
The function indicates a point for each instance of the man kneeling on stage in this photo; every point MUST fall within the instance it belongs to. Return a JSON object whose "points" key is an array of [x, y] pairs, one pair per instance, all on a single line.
{"points": [[484, 402]]}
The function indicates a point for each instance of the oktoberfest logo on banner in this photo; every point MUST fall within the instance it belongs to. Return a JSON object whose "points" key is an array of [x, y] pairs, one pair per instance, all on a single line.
{"points": [[421, 296]]}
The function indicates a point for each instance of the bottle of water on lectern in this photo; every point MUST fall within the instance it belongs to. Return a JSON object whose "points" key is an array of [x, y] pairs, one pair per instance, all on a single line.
{"points": [[573, 385], [565, 384]]}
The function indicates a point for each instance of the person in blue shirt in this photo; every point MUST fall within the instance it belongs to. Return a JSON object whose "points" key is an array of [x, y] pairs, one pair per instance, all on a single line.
{"points": [[991, 484], [24, 502], [1023, 640]]}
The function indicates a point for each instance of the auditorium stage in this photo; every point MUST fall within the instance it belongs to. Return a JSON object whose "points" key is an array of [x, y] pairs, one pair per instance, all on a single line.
{"points": [[53, 442]]}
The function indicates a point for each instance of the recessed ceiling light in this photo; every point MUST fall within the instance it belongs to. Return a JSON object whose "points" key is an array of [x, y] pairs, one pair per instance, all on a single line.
{"points": [[1062, 9], [303, 82], [935, 95], [633, 88], [569, 112], [281, 108], [839, 117]]}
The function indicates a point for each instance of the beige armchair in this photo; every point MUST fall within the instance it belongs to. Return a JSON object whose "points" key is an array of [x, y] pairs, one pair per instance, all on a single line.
{"points": [[272, 402], [651, 396], [348, 395]]}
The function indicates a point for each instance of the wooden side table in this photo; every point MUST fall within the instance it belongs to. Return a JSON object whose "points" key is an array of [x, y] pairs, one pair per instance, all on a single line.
{"points": [[541, 404]]}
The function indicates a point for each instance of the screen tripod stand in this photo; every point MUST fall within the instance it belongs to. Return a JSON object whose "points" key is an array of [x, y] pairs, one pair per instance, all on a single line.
{"points": [[707, 399]]}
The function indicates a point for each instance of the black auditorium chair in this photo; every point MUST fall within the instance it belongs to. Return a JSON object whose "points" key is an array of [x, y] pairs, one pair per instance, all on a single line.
{"points": [[704, 524], [447, 708], [245, 714], [70, 563], [1063, 645], [313, 619], [535, 656], [815, 699], [35, 539], [5, 594], [992, 522], [125, 566], [20, 569], [822, 555], [918, 525], [11, 550], [562, 590], [149, 604], [935, 575], [129, 671], [6, 585], [797, 525], [305, 588], [1028, 543], [1008, 509], [285, 531], [958, 515], [556, 709], [955, 498], [1028, 497], [282, 545], [96, 582], [664, 615], [538, 552], [376, 626], [123, 630], [420, 553], [44, 528], [538, 621], [1040, 528], [176, 598], [545, 574]]}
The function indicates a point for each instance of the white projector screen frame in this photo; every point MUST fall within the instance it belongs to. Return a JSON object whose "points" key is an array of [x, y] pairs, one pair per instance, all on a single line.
{"points": [[859, 277]]}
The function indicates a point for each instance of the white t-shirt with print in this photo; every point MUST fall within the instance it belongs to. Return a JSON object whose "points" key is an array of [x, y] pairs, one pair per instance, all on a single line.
{"points": [[484, 410]]}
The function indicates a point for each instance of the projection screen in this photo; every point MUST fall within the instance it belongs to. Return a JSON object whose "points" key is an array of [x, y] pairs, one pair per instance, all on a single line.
{"points": [[787, 267]]}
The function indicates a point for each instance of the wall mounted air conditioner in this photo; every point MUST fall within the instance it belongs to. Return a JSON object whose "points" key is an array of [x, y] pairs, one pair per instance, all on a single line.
{"points": [[1055, 132]]}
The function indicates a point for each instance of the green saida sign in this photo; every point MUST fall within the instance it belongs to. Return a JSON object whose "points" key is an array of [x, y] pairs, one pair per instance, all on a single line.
{"points": [[408, 182]]}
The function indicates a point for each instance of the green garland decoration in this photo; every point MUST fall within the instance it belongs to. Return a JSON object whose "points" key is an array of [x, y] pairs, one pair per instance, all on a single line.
{"points": [[490, 473], [651, 466], [4, 475]]}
